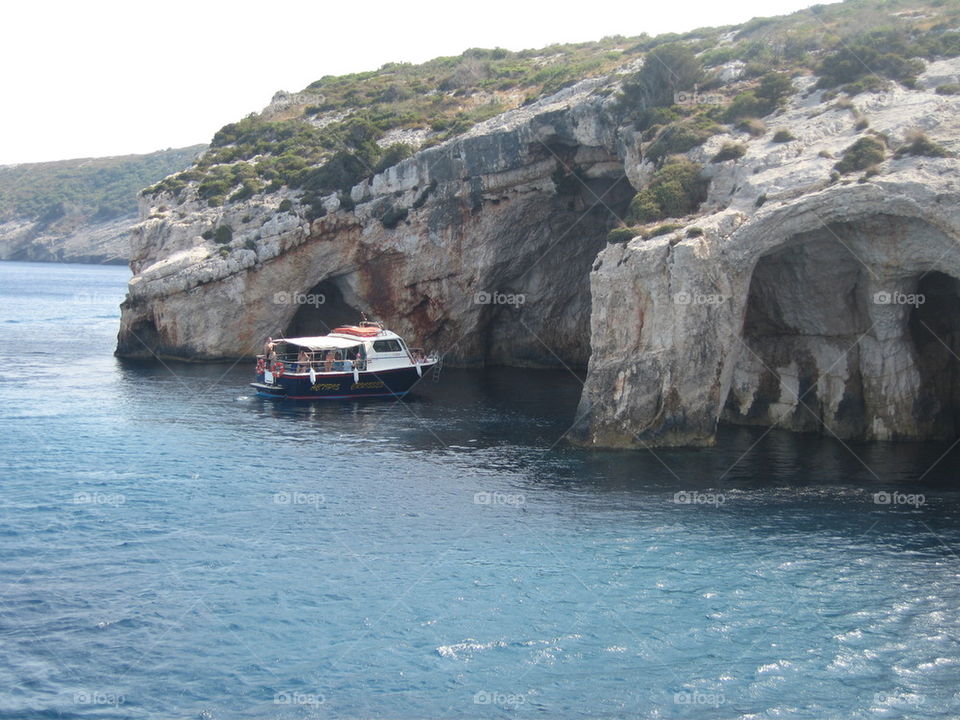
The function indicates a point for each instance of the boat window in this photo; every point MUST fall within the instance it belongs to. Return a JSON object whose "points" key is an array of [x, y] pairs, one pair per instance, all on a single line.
{"points": [[385, 346]]}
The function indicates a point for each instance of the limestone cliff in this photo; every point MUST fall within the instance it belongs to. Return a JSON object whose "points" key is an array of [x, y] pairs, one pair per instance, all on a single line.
{"points": [[793, 295], [489, 263], [828, 306]]}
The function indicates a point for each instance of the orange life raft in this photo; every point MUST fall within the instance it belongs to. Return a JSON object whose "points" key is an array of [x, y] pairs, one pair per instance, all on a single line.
{"points": [[358, 331]]}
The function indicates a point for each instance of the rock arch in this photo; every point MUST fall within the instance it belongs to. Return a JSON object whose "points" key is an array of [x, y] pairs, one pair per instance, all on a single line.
{"points": [[428, 246], [833, 338], [799, 353], [799, 316]]}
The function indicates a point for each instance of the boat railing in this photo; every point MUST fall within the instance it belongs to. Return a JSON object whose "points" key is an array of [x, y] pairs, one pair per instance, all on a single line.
{"points": [[292, 364]]}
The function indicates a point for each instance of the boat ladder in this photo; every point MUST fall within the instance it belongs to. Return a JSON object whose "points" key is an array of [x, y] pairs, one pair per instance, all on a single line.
{"points": [[437, 368]]}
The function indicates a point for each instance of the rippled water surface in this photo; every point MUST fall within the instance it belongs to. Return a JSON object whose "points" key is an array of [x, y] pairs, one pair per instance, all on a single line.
{"points": [[173, 547]]}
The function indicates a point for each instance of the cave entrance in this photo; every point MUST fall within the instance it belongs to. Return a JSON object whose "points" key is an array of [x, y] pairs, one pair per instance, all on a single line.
{"points": [[535, 299], [806, 312], [320, 310], [139, 340], [934, 329]]}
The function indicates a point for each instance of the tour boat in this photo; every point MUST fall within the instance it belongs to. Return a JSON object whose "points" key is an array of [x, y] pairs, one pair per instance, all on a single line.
{"points": [[353, 361]]}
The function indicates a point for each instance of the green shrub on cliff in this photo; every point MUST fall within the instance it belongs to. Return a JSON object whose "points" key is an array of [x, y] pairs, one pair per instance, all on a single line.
{"points": [[391, 155], [744, 105], [862, 154], [773, 89], [729, 151], [224, 179], [656, 116], [868, 83], [681, 136], [623, 234], [675, 190], [752, 126], [393, 217], [667, 70], [248, 188], [341, 172], [223, 234], [891, 54], [919, 144], [664, 229]]}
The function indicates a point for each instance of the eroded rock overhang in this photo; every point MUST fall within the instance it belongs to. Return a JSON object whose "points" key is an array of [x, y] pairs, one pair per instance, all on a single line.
{"points": [[488, 262], [834, 312]]}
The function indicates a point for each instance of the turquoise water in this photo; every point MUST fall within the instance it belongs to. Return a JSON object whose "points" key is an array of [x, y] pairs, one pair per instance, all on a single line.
{"points": [[173, 547]]}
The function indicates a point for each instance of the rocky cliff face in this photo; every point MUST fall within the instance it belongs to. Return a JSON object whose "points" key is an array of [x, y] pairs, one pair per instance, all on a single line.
{"points": [[68, 240], [480, 248], [825, 306], [801, 300]]}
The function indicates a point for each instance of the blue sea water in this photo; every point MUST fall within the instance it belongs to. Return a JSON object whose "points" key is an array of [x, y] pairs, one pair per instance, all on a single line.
{"points": [[173, 547]]}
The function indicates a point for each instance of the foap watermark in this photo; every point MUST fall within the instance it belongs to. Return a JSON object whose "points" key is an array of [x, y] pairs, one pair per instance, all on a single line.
{"points": [[695, 97], [292, 497], [98, 697], [96, 298], [899, 498], [687, 298], [296, 697], [283, 98], [499, 298], [99, 498], [499, 498], [886, 297], [695, 497], [299, 298], [695, 697], [487, 697], [898, 697]]}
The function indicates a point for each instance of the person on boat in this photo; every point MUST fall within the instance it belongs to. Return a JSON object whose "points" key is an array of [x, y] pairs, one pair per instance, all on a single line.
{"points": [[303, 361], [270, 349], [359, 361], [328, 361]]}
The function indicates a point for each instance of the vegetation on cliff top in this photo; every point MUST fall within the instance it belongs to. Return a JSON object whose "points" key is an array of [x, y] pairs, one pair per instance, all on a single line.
{"points": [[676, 189], [332, 134], [99, 188], [338, 131]]}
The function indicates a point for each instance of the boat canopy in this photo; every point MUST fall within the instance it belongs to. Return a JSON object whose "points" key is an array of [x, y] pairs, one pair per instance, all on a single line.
{"points": [[322, 342]]}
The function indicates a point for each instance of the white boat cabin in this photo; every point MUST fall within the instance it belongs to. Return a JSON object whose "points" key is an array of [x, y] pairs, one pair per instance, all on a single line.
{"points": [[363, 348]]}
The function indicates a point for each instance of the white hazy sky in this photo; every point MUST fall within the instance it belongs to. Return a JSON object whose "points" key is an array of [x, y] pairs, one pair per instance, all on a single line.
{"points": [[111, 77]]}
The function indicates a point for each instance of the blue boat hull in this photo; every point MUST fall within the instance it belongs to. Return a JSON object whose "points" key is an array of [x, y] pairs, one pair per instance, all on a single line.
{"points": [[341, 386]]}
